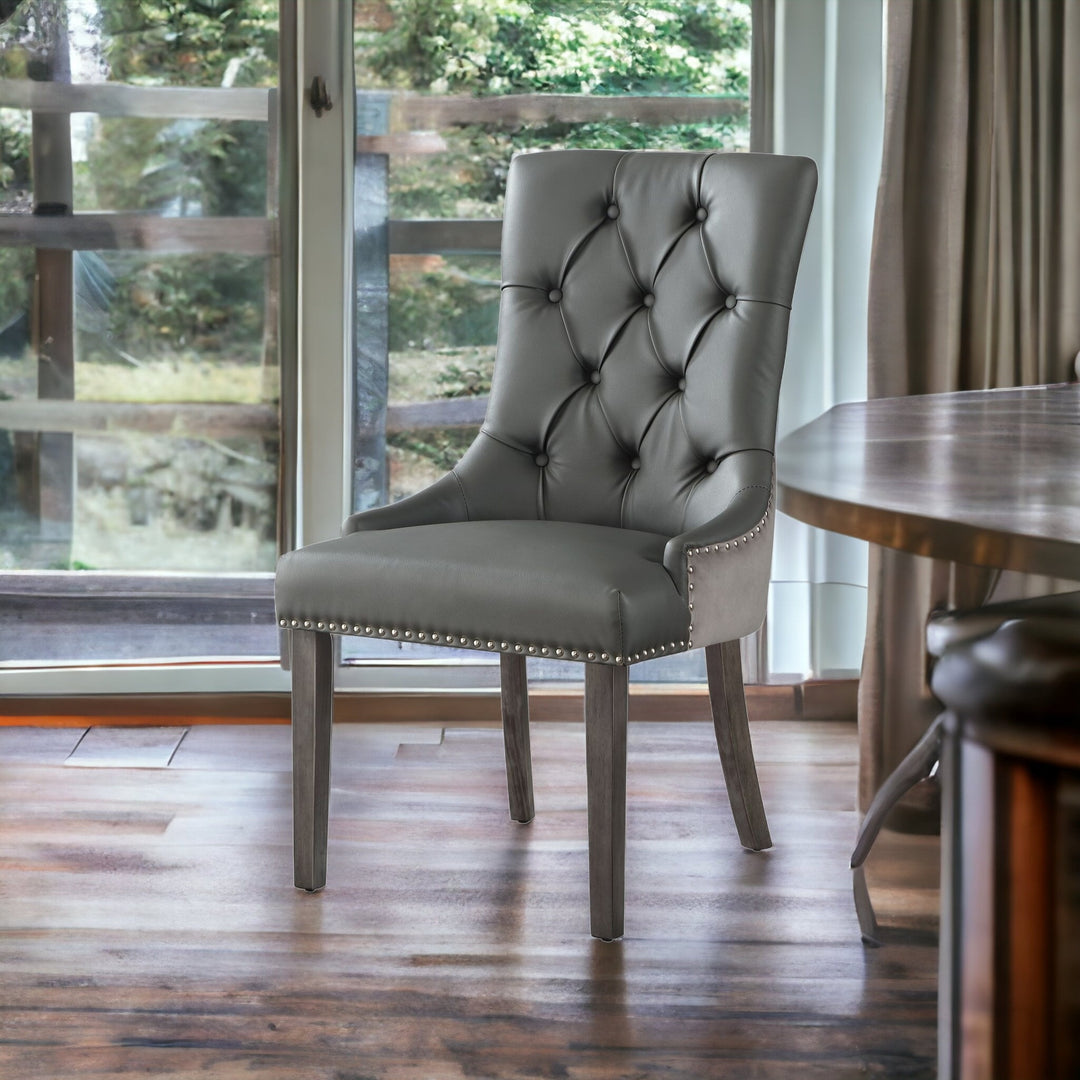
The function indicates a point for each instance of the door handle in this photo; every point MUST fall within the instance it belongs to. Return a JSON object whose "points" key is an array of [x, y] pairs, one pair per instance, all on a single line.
{"points": [[320, 97]]}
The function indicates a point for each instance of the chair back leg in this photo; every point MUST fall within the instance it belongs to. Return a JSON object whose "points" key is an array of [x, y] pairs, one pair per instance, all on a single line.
{"points": [[515, 722], [605, 757], [723, 664], [312, 717]]}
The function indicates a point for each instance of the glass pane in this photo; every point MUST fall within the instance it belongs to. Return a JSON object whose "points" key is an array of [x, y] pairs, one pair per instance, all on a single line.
{"points": [[448, 92], [138, 359]]}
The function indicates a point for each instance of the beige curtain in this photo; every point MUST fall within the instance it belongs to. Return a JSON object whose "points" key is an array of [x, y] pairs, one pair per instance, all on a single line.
{"points": [[975, 276]]}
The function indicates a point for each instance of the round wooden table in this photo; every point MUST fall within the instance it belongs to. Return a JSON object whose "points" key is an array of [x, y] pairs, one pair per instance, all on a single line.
{"points": [[985, 477], [988, 478]]}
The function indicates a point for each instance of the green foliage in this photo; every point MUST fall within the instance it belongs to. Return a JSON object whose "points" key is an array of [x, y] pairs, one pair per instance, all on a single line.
{"points": [[455, 381], [209, 304], [555, 46], [191, 42], [14, 152], [442, 307], [443, 447]]}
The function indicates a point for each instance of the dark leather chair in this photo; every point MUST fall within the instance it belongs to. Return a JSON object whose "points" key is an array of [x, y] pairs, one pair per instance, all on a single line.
{"points": [[947, 632], [616, 505]]}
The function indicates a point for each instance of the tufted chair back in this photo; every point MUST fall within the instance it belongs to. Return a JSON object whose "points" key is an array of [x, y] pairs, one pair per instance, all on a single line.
{"points": [[642, 331]]}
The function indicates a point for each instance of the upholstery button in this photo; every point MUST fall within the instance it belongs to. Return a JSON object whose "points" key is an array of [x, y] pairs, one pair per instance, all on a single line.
{"points": [[541, 460], [702, 213], [635, 463], [712, 466], [613, 211], [594, 377], [555, 295], [730, 301], [648, 299], [681, 384]]}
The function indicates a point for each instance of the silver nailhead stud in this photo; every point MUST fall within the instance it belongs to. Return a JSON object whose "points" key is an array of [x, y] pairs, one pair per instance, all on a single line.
{"points": [[618, 659], [504, 645], [689, 569], [408, 633], [603, 656], [421, 636], [727, 547], [544, 651], [393, 633], [591, 656], [476, 643], [295, 623], [517, 648], [558, 652], [307, 624], [281, 622], [690, 586], [532, 648], [574, 654], [491, 644], [464, 640], [434, 637]]}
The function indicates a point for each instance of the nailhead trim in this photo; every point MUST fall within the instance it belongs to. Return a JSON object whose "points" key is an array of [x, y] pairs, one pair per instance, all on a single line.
{"points": [[711, 549], [408, 634]]}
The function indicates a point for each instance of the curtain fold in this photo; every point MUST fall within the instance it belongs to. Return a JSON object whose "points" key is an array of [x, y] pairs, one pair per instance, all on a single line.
{"points": [[974, 280]]}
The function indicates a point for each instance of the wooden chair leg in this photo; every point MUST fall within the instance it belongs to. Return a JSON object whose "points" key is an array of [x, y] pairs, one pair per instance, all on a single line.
{"points": [[515, 722], [605, 755], [723, 663], [312, 717]]}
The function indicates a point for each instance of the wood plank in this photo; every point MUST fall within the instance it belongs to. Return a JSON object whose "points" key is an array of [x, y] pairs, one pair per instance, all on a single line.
{"points": [[440, 236], [548, 704], [150, 928], [139, 232], [221, 420], [121, 99], [426, 112], [37, 745], [451, 413], [126, 748], [174, 419]]}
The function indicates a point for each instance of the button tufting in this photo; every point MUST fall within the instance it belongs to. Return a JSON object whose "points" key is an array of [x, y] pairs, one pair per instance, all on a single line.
{"points": [[635, 463], [648, 299], [613, 211], [541, 460], [594, 377], [555, 295], [712, 466], [681, 384], [702, 213], [730, 301]]}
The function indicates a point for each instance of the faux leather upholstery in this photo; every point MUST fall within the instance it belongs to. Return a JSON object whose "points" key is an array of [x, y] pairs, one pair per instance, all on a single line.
{"points": [[642, 332]]}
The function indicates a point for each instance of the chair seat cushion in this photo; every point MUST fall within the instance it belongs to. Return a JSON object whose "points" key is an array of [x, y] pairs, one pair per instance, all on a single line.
{"points": [[552, 588]]}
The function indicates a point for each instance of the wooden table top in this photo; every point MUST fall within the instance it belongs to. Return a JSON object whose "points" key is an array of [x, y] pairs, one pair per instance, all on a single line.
{"points": [[987, 477]]}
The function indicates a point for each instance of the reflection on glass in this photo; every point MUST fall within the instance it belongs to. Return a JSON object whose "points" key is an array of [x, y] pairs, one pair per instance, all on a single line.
{"points": [[137, 388], [449, 91]]}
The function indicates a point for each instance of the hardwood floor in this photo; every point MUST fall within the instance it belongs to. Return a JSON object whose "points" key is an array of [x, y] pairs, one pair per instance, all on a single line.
{"points": [[148, 926]]}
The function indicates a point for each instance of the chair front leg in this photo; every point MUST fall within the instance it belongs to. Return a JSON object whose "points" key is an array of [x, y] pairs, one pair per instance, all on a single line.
{"points": [[515, 721], [605, 757], [723, 664], [312, 718]]}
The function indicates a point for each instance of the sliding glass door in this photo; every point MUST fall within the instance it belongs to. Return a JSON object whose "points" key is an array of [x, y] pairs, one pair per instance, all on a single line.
{"points": [[447, 91], [205, 358], [139, 377]]}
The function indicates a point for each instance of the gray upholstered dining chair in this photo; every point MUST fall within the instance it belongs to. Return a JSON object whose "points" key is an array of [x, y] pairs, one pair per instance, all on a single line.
{"points": [[616, 505]]}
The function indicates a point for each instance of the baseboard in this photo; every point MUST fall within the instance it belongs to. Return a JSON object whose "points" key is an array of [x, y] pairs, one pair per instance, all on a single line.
{"points": [[812, 700]]}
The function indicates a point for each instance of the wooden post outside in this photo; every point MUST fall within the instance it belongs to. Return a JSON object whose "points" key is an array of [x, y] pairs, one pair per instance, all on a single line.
{"points": [[52, 317]]}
